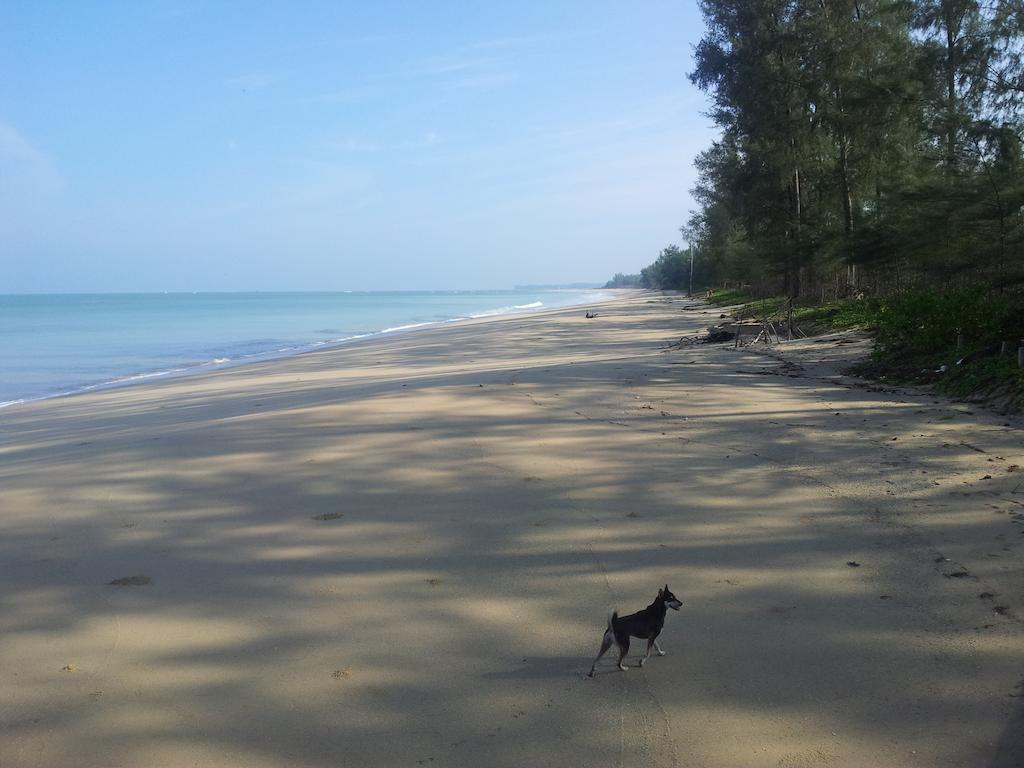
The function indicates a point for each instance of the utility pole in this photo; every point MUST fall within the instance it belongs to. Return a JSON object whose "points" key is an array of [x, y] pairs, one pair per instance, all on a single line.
{"points": [[687, 235], [690, 293]]}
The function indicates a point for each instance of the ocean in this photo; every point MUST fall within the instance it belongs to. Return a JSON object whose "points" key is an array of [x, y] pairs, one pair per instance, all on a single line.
{"points": [[52, 345]]}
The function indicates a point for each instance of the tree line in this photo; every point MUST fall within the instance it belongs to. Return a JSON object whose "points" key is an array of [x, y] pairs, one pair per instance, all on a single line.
{"points": [[866, 146]]}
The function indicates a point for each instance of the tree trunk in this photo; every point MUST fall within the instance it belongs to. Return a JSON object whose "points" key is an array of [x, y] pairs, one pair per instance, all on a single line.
{"points": [[844, 184], [793, 288], [950, 89]]}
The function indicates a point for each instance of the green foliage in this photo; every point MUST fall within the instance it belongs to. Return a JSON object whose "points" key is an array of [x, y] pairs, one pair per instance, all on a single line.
{"points": [[917, 343], [727, 297], [850, 313], [670, 271], [925, 323], [988, 373], [761, 308], [621, 280], [871, 163], [865, 145], [917, 335]]}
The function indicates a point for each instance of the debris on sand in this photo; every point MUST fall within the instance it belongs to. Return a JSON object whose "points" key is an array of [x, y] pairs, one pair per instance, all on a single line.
{"points": [[328, 516], [130, 581], [718, 335]]}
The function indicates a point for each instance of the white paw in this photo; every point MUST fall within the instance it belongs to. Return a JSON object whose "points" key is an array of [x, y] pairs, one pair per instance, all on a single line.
{"points": [[661, 653], [623, 667], [642, 662]]}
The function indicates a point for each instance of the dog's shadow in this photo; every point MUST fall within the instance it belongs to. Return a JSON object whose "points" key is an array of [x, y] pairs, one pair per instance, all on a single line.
{"points": [[541, 667]]}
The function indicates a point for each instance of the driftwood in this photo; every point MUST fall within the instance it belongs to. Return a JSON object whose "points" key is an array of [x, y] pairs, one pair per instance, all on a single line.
{"points": [[766, 331]]}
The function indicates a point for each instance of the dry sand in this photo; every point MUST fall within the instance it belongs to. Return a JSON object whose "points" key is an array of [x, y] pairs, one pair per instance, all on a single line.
{"points": [[403, 552]]}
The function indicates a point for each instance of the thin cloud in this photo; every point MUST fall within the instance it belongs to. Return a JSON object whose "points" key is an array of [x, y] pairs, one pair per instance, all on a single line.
{"points": [[511, 42], [354, 146], [444, 65], [430, 139], [358, 146], [27, 172], [463, 71], [343, 42], [251, 82], [490, 80], [342, 96], [524, 41]]}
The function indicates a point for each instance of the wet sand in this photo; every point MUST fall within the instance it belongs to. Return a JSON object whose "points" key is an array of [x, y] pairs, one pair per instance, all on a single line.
{"points": [[403, 553]]}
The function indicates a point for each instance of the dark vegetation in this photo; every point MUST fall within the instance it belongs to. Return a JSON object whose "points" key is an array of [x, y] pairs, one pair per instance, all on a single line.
{"points": [[964, 341], [869, 170], [623, 281]]}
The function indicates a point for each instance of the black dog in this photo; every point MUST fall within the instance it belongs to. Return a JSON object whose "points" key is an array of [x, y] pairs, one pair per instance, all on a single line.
{"points": [[646, 624]]}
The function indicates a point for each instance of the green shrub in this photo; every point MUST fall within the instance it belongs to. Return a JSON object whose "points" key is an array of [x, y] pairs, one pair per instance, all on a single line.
{"points": [[926, 322], [961, 381], [841, 314], [725, 297]]}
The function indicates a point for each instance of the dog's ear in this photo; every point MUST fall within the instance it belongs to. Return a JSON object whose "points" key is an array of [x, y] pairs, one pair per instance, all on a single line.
{"points": [[660, 592], [666, 587]]}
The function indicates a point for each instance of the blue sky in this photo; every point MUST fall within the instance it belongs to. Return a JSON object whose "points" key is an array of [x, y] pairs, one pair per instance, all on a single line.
{"points": [[299, 146]]}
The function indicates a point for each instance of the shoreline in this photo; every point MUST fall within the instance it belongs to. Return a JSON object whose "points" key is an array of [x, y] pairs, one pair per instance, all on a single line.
{"points": [[407, 549], [143, 377]]}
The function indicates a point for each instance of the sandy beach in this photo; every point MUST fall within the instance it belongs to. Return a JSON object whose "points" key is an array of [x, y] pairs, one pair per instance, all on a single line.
{"points": [[403, 552]]}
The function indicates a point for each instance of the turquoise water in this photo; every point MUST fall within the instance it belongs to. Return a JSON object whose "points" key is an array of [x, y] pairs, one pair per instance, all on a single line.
{"points": [[60, 344]]}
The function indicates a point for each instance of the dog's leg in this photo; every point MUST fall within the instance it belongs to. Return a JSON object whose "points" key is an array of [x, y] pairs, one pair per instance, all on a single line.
{"points": [[606, 643], [657, 648], [650, 644], [623, 650]]}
